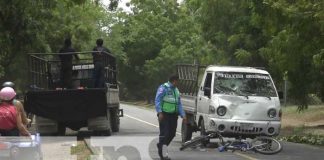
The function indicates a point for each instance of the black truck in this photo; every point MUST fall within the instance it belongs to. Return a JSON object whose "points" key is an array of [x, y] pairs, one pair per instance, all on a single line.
{"points": [[55, 108]]}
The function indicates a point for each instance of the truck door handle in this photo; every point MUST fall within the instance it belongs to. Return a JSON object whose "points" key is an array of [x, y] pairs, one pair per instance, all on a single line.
{"points": [[200, 98]]}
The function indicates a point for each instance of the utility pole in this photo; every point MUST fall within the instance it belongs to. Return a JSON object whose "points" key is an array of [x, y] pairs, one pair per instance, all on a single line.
{"points": [[285, 87]]}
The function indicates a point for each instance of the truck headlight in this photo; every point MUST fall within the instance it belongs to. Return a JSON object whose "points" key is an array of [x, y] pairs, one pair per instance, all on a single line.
{"points": [[221, 110], [211, 109], [272, 113]]}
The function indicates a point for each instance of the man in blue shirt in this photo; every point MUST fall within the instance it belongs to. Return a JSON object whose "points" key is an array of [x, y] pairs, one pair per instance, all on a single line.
{"points": [[168, 106], [98, 61]]}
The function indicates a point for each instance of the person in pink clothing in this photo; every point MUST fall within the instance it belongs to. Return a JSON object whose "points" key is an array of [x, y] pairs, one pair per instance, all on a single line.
{"points": [[10, 119]]}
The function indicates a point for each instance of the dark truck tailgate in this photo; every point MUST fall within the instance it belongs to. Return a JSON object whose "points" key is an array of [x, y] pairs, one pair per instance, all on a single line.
{"points": [[67, 105]]}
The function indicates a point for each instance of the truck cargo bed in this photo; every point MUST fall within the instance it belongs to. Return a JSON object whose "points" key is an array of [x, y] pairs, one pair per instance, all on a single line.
{"points": [[67, 105], [189, 103]]}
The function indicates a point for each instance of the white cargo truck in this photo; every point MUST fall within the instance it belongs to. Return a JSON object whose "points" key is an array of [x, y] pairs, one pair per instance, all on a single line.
{"points": [[240, 102]]}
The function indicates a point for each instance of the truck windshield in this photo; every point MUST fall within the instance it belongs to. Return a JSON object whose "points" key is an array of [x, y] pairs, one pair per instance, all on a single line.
{"points": [[244, 84]]}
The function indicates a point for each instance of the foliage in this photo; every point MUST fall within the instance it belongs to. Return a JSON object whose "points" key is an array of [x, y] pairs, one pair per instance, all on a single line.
{"points": [[296, 43], [284, 36], [25, 29], [156, 36], [307, 139]]}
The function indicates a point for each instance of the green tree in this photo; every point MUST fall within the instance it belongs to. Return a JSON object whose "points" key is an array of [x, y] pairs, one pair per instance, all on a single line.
{"points": [[296, 45], [42, 26], [283, 36], [156, 36]]}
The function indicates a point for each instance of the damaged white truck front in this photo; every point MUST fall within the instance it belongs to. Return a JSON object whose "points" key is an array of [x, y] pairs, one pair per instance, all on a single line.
{"points": [[240, 102]]}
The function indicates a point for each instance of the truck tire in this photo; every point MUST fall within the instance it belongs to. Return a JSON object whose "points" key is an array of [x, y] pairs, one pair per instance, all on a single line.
{"points": [[114, 119], [61, 129], [203, 132], [44, 126], [102, 133], [186, 132], [106, 132]]}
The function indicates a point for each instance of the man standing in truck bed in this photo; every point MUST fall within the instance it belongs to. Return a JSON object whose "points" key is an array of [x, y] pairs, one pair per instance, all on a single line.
{"points": [[66, 63], [168, 107], [99, 70]]}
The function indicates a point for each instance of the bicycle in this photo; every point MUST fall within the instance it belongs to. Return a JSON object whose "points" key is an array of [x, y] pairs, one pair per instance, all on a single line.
{"points": [[262, 144]]}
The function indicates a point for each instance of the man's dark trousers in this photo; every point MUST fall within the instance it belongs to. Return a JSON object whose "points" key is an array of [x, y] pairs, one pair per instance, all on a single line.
{"points": [[66, 76], [99, 75], [168, 127]]}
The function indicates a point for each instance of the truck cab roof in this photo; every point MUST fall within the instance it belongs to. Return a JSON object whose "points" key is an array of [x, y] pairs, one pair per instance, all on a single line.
{"points": [[215, 68]]}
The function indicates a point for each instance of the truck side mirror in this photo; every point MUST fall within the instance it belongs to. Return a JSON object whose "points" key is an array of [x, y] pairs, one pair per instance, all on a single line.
{"points": [[207, 91], [280, 94]]}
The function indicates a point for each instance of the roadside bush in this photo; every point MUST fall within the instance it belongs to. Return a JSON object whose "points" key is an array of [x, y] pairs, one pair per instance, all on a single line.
{"points": [[306, 139]]}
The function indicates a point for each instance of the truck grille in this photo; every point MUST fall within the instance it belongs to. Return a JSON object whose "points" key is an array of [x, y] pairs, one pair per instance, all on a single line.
{"points": [[243, 130]]}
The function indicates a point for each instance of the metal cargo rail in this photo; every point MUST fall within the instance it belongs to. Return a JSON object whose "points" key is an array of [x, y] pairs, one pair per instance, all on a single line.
{"points": [[44, 69], [189, 78]]}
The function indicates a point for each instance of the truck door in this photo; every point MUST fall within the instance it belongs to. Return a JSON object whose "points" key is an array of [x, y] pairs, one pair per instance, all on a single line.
{"points": [[204, 95]]}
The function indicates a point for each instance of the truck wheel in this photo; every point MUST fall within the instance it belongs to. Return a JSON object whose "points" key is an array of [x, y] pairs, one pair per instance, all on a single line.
{"points": [[61, 129], [102, 133], [115, 120], [186, 132], [106, 132], [203, 132]]}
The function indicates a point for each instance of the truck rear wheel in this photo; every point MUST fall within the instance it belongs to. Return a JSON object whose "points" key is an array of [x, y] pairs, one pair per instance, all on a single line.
{"points": [[100, 126], [115, 120], [44, 126], [61, 129], [102, 133], [186, 132], [108, 131]]}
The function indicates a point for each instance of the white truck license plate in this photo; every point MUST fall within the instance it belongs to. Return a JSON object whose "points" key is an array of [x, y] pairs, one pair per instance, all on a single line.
{"points": [[246, 126]]}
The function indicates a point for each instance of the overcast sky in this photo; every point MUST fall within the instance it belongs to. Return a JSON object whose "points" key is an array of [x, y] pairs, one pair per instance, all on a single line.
{"points": [[122, 4]]}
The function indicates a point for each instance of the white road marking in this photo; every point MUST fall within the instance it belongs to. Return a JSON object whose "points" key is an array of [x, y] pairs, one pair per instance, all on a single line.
{"points": [[245, 156], [151, 124]]}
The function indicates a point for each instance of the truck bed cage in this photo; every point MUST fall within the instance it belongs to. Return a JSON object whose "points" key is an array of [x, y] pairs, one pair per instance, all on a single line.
{"points": [[44, 69], [189, 78]]}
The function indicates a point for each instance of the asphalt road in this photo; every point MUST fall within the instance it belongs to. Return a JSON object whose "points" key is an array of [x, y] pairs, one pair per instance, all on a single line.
{"points": [[137, 140], [140, 124]]}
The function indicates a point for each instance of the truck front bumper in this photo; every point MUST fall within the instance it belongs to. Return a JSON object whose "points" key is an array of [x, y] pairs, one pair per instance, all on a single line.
{"points": [[229, 127]]}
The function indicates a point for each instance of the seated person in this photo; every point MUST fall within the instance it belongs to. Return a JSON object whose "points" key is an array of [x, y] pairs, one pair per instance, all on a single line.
{"points": [[18, 104], [10, 119]]}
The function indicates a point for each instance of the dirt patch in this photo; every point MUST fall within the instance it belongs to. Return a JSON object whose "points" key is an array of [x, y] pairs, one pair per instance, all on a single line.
{"points": [[308, 121]]}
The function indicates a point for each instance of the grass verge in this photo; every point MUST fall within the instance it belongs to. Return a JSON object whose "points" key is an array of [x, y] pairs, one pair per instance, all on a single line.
{"points": [[303, 127], [81, 150]]}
